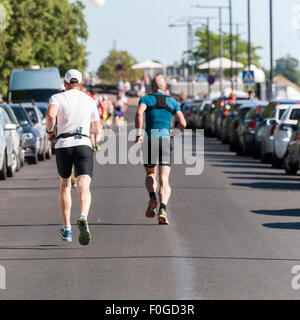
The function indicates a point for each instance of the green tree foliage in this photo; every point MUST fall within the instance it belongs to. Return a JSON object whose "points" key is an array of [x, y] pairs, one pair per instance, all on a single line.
{"points": [[108, 69], [288, 67], [239, 45], [49, 33]]}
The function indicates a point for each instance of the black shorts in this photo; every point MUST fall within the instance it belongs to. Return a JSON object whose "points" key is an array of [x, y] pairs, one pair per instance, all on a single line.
{"points": [[80, 156], [159, 152]]}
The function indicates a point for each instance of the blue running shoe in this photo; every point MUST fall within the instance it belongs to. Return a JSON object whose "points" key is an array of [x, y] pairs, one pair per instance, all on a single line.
{"points": [[85, 235], [65, 235]]}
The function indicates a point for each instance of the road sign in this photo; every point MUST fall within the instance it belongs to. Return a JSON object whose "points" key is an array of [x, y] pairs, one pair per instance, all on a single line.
{"points": [[211, 79], [248, 77]]}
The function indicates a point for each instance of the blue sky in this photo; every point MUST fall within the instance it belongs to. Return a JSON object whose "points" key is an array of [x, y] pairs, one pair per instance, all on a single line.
{"points": [[141, 27]]}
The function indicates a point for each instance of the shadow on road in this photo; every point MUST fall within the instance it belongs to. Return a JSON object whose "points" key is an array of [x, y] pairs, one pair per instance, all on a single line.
{"points": [[282, 212], [269, 185], [283, 225]]}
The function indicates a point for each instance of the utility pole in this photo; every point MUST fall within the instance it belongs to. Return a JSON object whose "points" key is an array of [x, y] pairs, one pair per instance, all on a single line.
{"points": [[231, 43], [271, 52], [249, 36]]}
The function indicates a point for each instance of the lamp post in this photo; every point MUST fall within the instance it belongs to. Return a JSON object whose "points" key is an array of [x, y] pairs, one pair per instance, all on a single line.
{"points": [[271, 51]]}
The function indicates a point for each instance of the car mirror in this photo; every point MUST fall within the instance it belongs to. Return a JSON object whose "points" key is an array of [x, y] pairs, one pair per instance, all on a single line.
{"points": [[271, 122]]}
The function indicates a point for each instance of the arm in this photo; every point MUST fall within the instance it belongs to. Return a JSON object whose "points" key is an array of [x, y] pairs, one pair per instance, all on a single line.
{"points": [[95, 127], [181, 120], [139, 119], [51, 120]]}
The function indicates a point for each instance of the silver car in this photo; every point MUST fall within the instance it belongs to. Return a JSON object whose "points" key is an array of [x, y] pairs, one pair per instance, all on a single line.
{"points": [[8, 158], [265, 133]]}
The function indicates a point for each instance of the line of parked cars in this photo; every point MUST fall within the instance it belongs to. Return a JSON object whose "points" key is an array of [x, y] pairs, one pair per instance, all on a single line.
{"points": [[22, 121], [269, 131], [22, 137]]}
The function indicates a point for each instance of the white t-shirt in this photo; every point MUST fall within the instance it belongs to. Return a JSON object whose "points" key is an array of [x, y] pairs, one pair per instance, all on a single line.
{"points": [[76, 110]]}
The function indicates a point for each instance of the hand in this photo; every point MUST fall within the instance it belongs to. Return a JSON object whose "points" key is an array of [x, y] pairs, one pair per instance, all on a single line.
{"points": [[138, 140], [51, 136]]}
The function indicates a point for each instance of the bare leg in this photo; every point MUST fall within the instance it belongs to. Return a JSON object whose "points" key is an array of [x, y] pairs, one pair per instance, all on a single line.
{"points": [[151, 183], [165, 188], [84, 194], [65, 200]]}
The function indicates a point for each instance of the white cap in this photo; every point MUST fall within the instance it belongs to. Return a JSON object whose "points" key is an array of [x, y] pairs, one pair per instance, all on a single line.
{"points": [[73, 74]]}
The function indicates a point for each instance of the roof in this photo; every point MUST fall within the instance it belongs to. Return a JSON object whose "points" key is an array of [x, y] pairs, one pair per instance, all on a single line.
{"points": [[286, 82]]}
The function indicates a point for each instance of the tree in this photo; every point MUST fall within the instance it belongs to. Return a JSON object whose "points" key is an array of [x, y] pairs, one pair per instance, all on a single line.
{"points": [[49, 33], [288, 67], [239, 46], [121, 60]]}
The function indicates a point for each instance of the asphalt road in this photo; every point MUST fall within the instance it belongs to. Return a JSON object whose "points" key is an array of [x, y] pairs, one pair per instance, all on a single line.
{"points": [[234, 234]]}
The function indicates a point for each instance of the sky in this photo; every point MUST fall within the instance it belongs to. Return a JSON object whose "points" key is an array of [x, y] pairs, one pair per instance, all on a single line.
{"points": [[141, 27]]}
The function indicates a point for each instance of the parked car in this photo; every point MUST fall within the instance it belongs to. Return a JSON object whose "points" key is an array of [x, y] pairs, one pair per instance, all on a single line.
{"points": [[208, 119], [204, 110], [291, 160], [230, 113], [8, 158], [39, 123], [265, 131], [43, 107], [246, 130], [283, 133], [31, 145], [240, 113]]}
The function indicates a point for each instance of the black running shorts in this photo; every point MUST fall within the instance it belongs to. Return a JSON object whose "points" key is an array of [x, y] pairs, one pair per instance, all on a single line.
{"points": [[159, 152], [80, 156]]}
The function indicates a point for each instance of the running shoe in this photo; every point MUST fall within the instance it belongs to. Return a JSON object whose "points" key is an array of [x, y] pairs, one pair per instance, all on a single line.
{"points": [[151, 210], [85, 235], [65, 235], [162, 217]]}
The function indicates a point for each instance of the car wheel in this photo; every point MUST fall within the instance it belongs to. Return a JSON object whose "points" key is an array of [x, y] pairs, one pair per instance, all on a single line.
{"points": [[263, 157], [3, 172], [276, 162], [290, 168], [34, 159], [12, 169]]}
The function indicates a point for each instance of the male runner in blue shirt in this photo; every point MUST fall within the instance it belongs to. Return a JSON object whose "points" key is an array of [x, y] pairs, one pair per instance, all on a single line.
{"points": [[159, 109]]}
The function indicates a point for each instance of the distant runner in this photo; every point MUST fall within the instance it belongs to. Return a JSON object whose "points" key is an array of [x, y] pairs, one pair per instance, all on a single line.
{"points": [[77, 118], [159, 109]]}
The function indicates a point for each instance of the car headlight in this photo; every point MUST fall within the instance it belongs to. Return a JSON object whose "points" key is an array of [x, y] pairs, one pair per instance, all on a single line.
{"points": [[28, 136]]}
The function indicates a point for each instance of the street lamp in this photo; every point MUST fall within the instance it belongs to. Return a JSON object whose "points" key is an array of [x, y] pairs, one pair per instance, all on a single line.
{"points": [[271, 51]]}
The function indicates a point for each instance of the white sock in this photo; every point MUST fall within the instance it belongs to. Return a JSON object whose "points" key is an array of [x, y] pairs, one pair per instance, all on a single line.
{"points": [[82, 215], [67, 228]]}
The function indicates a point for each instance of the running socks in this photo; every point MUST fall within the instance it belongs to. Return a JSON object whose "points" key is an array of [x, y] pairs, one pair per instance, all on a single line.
{"points": [[67, 228], [152, 196], [163, 206]]}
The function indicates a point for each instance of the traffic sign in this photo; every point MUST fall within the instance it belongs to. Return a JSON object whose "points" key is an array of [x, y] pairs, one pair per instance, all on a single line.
{"points": [[248, 77], [211, 79]]}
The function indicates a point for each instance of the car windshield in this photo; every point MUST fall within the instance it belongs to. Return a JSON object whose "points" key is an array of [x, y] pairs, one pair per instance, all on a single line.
{"points": [[32, 114], [21, 116], [281, 112], [243, 112], [43, 111], [36, 95], [295, 114]]}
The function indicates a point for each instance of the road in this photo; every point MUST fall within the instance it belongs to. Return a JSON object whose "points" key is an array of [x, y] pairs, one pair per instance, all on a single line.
{"points": [[234, 234]]}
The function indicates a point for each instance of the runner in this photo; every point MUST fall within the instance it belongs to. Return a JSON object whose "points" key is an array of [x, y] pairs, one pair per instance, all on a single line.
{"points": [[159, 109], [77, 117]]}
